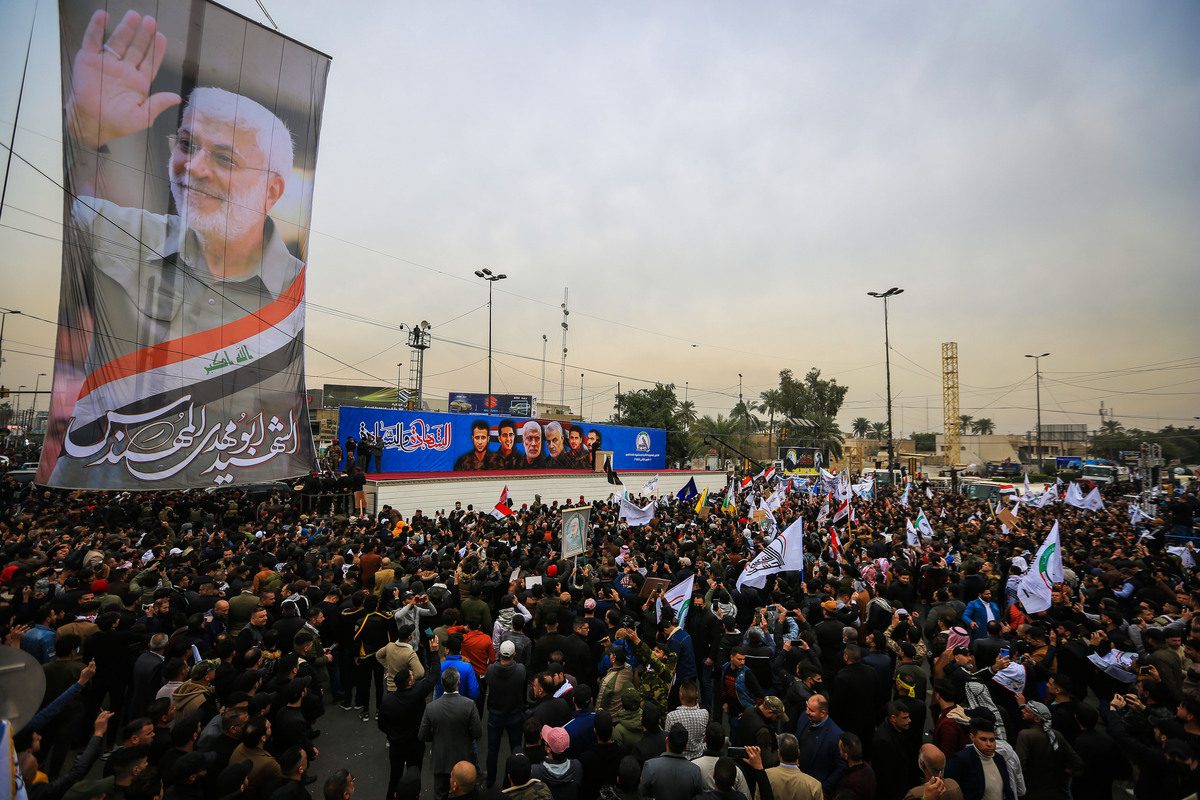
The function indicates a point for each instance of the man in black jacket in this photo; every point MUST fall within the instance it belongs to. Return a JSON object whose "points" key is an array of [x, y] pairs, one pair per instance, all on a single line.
{"points": [[505, 704], [894, 754], [400, 714], [705, 629], [856, 696], [374, 631]]}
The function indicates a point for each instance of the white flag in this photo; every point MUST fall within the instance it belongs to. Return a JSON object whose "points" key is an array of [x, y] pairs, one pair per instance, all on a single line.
{"points": [[784, 553], [1136, 515], [823, 514], [928, 493], [679, 598], [1093, 502], [923, 525], [910, 534], [1047, 497], [1185, 555], [1028, 488], [904, 497], [1046, 570], [773, 502], [635, 515], [650, 486], [1074, 496]]}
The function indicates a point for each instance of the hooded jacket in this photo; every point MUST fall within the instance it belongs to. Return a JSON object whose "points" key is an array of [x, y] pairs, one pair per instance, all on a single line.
{"points": [[189, 696]]}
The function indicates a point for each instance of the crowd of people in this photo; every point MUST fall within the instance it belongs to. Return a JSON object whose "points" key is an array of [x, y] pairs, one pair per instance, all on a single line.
{"points": [[194, 643]]}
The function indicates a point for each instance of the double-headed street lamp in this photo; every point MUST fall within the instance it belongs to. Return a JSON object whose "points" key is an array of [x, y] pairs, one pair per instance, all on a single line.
{"points": [[1037, 369], [887, 360], [487, 275]]}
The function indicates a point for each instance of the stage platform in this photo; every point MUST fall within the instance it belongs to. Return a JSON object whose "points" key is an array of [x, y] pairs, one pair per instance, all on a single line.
{"points": [[434, 491]]}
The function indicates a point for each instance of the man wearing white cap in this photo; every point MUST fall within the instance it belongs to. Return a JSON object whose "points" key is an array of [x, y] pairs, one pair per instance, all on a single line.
{"points": [[505, 704]]}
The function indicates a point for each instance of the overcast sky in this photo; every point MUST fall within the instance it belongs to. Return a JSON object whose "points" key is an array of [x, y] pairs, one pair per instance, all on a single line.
{"points": [[735, 176]]}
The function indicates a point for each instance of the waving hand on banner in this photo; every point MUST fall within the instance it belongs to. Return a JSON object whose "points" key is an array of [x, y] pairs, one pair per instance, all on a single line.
{"points": [[110, 80]]}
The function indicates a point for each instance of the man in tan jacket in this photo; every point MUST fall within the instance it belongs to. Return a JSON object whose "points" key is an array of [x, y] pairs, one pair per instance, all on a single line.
{"points": [[788, 781], [397, 654]]}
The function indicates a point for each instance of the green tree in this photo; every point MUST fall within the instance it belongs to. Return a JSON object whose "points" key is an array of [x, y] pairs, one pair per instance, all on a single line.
{"points": [[719, 428], [860, 426], [769, 401], [879, 430], [686, 414], [964, 422], [983, 427], [925, 442], [654, 408], [809, 408], [822, 432]]}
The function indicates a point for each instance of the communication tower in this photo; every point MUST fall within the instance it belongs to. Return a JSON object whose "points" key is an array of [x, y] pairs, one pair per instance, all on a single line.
{"points": [[951, 424]]}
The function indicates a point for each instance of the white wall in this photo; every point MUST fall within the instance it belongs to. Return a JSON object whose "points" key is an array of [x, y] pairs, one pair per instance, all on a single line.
{"points": [[430, 495]]}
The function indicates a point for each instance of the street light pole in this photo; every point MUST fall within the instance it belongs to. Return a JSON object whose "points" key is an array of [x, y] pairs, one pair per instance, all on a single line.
{"points": [[487, 275], [887, 360], [581, 395], [4, 318], [1037, 369], [545, 342], [37, 385], [399, 364]]}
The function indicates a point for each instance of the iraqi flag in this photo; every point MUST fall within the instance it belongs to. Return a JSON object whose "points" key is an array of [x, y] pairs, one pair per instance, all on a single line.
{"points": [[835, 544], [844, 509], [503, 506], [679, 598]]}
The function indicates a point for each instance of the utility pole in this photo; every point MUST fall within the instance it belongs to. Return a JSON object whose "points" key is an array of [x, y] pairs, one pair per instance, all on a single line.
{"points": [[399, 372], [4, 312], [581, 395], [1037, 371]]}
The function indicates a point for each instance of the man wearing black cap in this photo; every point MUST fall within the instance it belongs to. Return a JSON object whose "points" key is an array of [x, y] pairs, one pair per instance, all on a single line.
{"points": [[401, 713]]}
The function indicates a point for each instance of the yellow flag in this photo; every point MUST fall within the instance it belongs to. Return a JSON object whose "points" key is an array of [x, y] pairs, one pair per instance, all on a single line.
{"points": [[703, 500]]}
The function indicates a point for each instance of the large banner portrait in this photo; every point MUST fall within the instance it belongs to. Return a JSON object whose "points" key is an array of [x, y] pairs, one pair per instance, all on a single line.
{"points": [[190, 145], [806, 461], [426, 441]]}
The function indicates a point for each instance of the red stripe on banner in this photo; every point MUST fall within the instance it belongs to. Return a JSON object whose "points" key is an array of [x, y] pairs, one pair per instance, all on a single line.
{"points": [[192, 345]]}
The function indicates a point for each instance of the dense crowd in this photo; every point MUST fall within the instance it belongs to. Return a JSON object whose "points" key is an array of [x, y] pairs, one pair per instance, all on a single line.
{"points": [[192, 644]]}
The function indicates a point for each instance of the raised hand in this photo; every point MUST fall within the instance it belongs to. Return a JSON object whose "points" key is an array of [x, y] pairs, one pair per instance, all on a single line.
{"points": [[110, 80]]}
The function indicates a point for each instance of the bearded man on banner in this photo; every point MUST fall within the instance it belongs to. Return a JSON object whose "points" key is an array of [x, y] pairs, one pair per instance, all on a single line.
{"points": [[193, 321]]}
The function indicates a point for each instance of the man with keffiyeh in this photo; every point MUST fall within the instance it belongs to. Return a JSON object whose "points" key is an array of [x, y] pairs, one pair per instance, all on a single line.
{"points": [[1047, 758]]}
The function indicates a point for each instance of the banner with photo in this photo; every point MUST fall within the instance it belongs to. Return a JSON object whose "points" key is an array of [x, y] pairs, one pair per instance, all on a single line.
{"points": [[575, 523], [806, 461], [190, 145], [426, 441]]}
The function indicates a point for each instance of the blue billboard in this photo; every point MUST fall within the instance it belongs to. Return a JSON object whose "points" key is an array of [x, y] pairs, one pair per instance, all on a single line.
{"points": [[423, 441]]}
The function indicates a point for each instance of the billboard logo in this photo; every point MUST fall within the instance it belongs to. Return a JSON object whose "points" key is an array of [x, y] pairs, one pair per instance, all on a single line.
{"points": [[642, 442], [409, 438], [491, 402]]}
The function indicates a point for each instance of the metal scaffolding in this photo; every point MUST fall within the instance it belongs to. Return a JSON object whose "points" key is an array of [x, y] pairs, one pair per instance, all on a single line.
{"points": [[951, 424]]}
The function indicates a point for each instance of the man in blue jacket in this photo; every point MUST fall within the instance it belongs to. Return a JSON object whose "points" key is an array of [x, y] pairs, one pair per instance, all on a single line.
{"points": [[980, 612], [818, 737], [468, 684], [978, 772]]}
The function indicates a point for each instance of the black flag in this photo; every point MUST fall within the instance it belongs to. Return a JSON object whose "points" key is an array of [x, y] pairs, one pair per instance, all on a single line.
{"points": [[610, 473]]}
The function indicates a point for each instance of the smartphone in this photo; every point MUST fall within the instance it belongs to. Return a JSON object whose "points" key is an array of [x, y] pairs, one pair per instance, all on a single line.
{"points": [[1004, 652], [736, 752]]}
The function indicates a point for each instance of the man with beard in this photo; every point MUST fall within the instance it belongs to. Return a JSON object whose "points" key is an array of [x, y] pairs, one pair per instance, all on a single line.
{"points": [[207, 275], [531, 438], [556, 452], [576, 456]]}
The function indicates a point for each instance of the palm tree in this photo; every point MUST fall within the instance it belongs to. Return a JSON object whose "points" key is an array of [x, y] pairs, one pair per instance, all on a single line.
{"points": [[686, 414], [879, 430], [720, 428], [983, 427], [860, 426], [1111, 426], [771, 401], [820, 431], [964, 423]]}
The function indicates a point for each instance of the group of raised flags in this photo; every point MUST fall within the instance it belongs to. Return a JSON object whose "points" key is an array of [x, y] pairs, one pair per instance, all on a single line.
{"points": [[1075, 497]]}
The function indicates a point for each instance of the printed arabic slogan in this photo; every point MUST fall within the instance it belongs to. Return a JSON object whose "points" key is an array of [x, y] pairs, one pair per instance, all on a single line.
{"points": [[190, 148]]}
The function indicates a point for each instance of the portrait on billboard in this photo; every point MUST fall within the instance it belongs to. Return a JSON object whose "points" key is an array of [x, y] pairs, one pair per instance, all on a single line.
{"points": [[429, 441], [190, 139]]}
